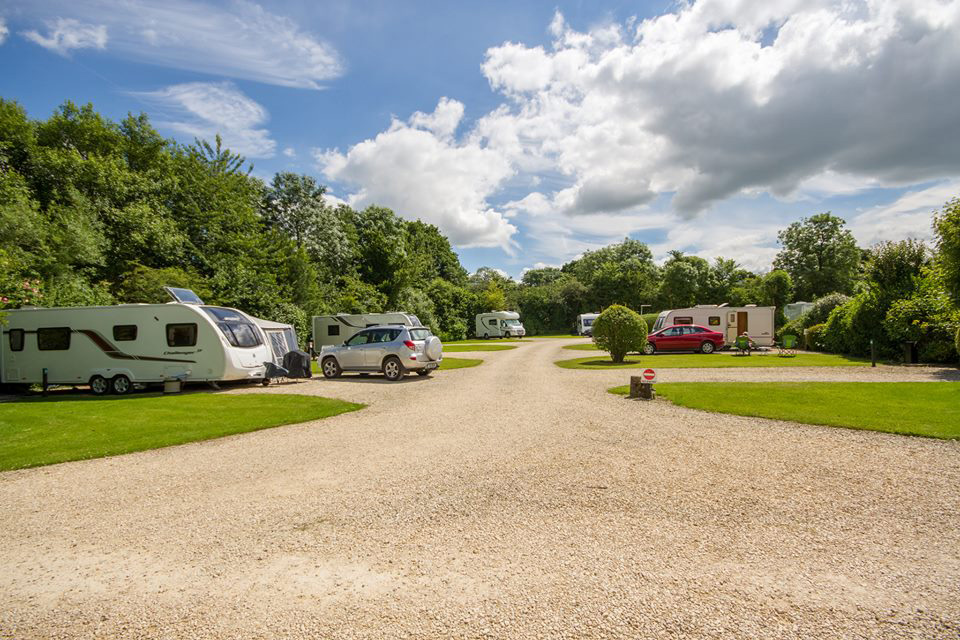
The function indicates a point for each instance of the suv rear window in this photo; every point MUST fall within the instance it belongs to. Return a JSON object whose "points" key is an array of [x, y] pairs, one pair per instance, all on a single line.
{"points": [[419, 334]]}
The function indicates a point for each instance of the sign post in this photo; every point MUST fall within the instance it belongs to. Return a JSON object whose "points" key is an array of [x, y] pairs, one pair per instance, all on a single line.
{"points": [[642, 386]]}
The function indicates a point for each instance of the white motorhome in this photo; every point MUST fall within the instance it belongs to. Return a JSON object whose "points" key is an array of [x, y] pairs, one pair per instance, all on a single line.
{"points": [[757, 322], [337, 329], [499, 324], [112, 348], [585, 323]]}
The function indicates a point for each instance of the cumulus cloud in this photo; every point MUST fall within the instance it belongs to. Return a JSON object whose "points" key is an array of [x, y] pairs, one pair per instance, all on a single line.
{"points": [[240, 39], [204, 109], [417, 169], [909, 216], [3, 30], [725, 97], [66, 34]]}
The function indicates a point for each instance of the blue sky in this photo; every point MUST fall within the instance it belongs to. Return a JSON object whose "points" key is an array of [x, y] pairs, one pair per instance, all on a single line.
{"points": [[531, 132]]}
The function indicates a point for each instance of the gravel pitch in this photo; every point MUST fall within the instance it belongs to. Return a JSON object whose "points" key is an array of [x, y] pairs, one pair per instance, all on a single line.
{"points": [[512, 500]]}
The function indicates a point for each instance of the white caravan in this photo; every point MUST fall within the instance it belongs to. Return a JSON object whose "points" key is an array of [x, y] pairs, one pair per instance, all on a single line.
{"points": [[585, 323], [337, 329], [113, 348], [757, 322], [794, 310], [500, 324]]}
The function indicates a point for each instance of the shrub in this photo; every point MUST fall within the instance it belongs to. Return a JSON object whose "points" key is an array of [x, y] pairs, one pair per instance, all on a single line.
{"points": [[793, 328], [926, 317], [822, 307], [957, 341], [619, 331], [813, 337], [850, 327], [650, 319]]}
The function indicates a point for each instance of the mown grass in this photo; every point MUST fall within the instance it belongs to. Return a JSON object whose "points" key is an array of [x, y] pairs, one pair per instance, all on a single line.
{"points": [[715, 360], [39, 431], [930, 409], [459, 363], [459, 348]]}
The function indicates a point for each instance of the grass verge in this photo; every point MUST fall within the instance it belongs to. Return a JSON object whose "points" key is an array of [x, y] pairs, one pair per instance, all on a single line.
{"points": [[930, 409], [39, 431], [714, 361], [459, 363], [459, 348]]}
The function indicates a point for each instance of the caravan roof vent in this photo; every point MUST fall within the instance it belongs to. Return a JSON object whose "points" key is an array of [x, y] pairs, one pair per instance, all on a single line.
{"points": [[183, 296]]}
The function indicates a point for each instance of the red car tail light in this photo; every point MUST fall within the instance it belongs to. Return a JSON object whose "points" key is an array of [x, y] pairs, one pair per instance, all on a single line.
{"points": [[409, 345]]}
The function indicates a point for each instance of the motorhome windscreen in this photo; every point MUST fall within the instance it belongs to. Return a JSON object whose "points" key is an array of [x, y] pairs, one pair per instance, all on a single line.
{"points": [[511, 323], [235, 327]]}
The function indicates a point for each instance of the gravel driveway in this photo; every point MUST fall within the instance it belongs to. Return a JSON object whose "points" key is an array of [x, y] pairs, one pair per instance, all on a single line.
{"points": [[511, 500]]}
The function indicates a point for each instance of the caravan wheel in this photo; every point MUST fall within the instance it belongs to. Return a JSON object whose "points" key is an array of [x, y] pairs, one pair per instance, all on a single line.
{"points": [[120, 385], [99, 385]]}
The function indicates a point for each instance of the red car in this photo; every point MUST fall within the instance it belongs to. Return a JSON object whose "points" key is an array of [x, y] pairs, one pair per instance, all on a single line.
{"points": [[684, 337]]}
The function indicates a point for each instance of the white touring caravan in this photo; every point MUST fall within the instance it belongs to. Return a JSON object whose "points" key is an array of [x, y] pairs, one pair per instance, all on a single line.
{"points": [[500, 324], [758, 322], [337, 329], [585, 323], [113, 348]]}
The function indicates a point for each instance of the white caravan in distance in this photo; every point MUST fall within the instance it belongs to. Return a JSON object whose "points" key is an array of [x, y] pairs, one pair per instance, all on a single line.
{"points": [[337, 329], [757, 322], [499, 324], [585, 323], [112, 348]]}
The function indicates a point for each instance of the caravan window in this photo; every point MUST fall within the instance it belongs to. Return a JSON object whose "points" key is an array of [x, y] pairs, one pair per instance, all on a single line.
{"points": [[56, 339], [683, 320], [16, 339], [235, 327], [122, 332], [714, 321], [492, 322], [182, 335], [333, 330]]}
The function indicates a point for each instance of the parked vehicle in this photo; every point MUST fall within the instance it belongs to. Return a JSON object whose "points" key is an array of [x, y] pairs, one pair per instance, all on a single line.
{"points": [[585, 323], [794, 310], [392, 349], [757, 322], [113, 348], [499, 324], [335, 329], [685, 337]]}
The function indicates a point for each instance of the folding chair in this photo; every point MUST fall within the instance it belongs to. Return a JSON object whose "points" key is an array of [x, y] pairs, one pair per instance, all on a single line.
{"points": [[742, 345], [788, 345]]}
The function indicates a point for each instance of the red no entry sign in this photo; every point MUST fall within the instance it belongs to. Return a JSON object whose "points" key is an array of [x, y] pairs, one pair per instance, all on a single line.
{"points": [[649, 375]]}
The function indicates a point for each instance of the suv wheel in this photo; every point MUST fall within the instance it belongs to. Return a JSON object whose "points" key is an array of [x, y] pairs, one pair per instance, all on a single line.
{"points": [[649, 349], [99, 385], [331, 368], [393, 369], [708, 347]]}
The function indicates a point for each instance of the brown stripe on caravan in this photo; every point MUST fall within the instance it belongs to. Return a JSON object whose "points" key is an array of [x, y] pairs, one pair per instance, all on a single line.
{"points": [[116, 354]]}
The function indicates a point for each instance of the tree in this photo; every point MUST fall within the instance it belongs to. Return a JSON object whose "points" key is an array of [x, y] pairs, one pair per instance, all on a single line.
{"points": [[619, 331], [892, 268], [820, 255], [382, 251], [946, 225], [294, 204], [777, 291]]}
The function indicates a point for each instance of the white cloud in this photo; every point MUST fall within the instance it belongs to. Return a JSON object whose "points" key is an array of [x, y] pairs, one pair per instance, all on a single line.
{"points": [[239, 40], [66, 34], [419, 171], [910, 216], [290, 152], [204, 109], [3, 30]]}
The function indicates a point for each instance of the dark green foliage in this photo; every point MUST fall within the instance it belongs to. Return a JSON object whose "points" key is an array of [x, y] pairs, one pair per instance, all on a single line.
{"points": [[926, 317], [946, 224], [619, 331], [820, 255], [813, 337]]}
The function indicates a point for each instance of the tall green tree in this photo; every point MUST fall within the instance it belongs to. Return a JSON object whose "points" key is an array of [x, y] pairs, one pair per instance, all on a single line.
{"points": [[820, 255]]}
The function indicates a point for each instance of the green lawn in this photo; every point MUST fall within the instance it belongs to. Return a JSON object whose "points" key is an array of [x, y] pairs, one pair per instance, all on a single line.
{"points": [[589, 346], [38, 431], [715, 360], [913, 408], [459, 363], [457, 348]]}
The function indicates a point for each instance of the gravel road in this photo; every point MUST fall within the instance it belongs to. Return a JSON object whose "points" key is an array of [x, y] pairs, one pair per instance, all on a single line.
{"points": [[511, 500]]}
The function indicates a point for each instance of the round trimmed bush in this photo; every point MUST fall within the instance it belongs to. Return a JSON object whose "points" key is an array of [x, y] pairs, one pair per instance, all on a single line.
{"points": [[813, 337], [619, 331]]}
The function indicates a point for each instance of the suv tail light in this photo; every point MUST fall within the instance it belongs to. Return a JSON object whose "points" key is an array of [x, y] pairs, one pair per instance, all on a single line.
{"points": [[409, 345]]}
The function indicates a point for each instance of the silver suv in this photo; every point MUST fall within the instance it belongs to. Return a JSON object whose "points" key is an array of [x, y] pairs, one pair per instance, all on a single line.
{"points": [[392, 349]]}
